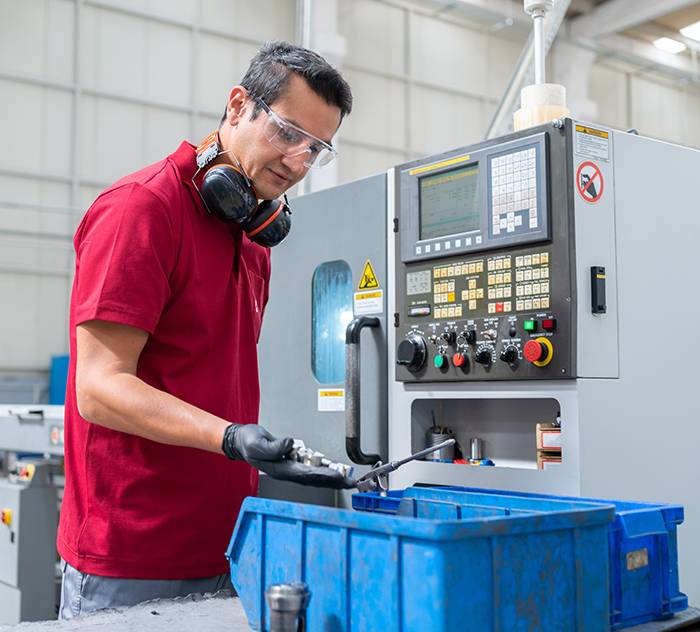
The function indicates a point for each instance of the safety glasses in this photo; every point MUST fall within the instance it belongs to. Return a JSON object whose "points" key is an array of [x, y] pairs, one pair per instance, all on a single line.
{"points": [[294, 141]]}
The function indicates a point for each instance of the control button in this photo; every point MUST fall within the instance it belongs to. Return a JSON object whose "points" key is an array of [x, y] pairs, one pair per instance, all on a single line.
{"points": [[412, 352], [483, 355], [530, 325], [512, 331], [440, 361], [461, 361], [549, 324], [538, 351], [509, 354]]}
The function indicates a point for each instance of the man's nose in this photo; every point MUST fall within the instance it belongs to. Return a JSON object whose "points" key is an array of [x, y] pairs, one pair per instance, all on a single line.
{"points": [[296, 165]]}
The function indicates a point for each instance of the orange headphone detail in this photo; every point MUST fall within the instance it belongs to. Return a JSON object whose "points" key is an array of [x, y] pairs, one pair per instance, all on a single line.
{"points": [[228, 193]]}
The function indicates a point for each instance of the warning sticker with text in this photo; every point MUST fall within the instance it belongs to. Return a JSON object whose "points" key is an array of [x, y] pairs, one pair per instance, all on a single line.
{"points": [[592, 143], [371, 302], [330, 401]]}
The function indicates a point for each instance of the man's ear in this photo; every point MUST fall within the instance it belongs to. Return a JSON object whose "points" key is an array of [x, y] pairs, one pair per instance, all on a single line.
{"points": [[237, 100]]}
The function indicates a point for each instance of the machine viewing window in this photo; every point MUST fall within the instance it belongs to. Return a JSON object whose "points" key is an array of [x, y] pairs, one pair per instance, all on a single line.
{"points": [[331, 311], [449, 202]]}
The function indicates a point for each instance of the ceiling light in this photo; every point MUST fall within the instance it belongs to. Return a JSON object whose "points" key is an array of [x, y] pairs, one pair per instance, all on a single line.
{"points": [[692, 31], [669, 45]]}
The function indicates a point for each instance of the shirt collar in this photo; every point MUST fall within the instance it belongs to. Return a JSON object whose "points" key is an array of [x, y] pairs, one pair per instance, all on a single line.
{"points": [[184, 158]]}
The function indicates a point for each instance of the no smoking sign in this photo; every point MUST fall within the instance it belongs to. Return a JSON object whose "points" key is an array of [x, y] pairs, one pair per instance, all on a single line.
{"points": [[589, 181]]}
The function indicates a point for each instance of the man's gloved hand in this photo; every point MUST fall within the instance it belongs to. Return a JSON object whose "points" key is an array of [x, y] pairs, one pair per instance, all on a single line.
{"points": [[290, 470], [255, 445], [248, 442]]}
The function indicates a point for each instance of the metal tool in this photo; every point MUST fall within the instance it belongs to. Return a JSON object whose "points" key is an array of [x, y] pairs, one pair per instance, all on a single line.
{"points": [[376, 478], [287, 603]]}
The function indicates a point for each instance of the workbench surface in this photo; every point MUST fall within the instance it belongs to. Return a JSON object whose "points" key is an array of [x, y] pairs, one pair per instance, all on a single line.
{"points": [[221, 612]]}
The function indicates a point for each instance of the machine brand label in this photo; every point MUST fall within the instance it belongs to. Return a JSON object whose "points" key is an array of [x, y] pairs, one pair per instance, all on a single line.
{"points": [[589, 181], [331, 400], [592, 143]]}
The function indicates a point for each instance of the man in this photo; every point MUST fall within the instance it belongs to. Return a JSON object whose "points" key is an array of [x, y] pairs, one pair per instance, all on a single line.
{"points": [[166, 311]]}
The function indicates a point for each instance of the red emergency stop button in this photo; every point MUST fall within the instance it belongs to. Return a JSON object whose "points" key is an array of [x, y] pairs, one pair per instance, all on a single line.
{"points": [[538, 351]]}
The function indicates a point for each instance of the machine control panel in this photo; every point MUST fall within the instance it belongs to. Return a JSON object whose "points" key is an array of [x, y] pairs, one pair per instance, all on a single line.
{"points": [[496, 309], [478, 200]]}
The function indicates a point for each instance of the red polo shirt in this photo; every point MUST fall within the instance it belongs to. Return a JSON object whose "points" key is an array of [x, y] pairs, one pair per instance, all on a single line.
{"points": [[149, 255]]}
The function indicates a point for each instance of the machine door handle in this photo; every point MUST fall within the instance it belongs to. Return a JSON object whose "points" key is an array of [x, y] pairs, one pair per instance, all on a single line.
{"points": [[352, 390]]}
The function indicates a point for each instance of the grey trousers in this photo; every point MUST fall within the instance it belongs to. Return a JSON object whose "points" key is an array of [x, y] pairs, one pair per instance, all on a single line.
{"points": [[82, 593]]}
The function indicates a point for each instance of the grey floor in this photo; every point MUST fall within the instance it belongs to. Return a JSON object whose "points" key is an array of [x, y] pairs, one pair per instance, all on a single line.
{"points": [[212, 613]]}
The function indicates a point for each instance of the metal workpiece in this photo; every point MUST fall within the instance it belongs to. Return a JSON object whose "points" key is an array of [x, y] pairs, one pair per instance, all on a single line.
{"points": [[288, 603], [313, 458]]}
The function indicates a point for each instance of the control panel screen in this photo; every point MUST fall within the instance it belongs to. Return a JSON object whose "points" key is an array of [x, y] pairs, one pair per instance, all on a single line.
{"points": [[449, 202], [418, 282]]}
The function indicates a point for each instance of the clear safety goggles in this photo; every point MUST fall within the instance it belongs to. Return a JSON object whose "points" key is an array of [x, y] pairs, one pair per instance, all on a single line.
{"points": [[294, 141]]}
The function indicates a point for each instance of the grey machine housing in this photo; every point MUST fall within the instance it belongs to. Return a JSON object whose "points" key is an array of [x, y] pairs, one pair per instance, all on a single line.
{"points": [[621, 380]]}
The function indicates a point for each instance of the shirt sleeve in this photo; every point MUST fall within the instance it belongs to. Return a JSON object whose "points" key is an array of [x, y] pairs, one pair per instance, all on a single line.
{"points": [[125, 252]]}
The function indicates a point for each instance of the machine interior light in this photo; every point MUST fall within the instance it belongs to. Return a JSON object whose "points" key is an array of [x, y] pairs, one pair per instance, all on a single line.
{"points": [[692, 31], [669, 45]]}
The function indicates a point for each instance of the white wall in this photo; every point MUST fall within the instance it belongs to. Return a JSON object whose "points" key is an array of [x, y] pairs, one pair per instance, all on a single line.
{"points": [[93, 89]]}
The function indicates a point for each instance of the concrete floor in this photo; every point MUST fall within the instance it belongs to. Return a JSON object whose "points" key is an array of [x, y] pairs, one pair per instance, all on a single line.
{"points": [[210, 613]]}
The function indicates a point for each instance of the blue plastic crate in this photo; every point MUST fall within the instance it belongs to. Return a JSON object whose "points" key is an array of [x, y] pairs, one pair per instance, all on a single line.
{"points": [[642, 546], [542, 567]]}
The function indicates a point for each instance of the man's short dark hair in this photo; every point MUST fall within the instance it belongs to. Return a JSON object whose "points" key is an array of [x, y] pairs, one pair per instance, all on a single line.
{"points": [[270, 69]]}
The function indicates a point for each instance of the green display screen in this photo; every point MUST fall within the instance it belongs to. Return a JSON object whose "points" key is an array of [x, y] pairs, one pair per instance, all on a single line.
{"points": [[449, 202]]}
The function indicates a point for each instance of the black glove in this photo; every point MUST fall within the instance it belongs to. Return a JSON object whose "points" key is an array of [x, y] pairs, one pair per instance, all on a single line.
{"points": [[290, 470], [248, 442]]}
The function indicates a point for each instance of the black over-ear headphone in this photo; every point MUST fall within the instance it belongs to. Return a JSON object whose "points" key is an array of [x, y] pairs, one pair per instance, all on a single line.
{"points": [[228, 194]]}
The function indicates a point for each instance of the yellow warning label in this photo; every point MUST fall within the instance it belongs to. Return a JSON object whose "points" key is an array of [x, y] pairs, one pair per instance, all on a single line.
{"points": [[368, 280], [593, 132], [331, 393], [362, 296]]}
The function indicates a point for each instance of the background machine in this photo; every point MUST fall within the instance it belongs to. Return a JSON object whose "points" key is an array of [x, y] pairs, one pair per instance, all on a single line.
{"points": [[542, 277]]}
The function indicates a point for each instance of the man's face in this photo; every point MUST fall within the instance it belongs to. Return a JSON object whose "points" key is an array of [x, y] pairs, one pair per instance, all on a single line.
{"points": [[271, 171]]}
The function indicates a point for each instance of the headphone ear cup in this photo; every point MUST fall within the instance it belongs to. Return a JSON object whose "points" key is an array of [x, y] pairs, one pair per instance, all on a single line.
{"points": [[270, 224], [227, 195]]}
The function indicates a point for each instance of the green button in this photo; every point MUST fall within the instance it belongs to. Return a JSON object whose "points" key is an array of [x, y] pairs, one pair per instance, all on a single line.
{"points": [[529, 325], [439, 361]]}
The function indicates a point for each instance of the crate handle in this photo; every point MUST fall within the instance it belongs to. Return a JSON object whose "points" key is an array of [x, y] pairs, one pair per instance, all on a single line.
{"points": [[352, 390]]}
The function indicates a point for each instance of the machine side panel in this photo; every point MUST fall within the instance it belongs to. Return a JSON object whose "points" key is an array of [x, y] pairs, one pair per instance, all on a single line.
{"points": [[593, 192], [346, 223], [640, 434]]}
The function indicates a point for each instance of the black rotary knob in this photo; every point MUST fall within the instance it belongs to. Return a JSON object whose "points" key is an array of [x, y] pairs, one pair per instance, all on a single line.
{"points": [[449, 337], [412, 352], [509, 354], [469, 336], [483, 355]]}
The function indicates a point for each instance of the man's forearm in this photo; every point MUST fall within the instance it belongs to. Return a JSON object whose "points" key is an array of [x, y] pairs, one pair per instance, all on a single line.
{"points": [[126, 403]]}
